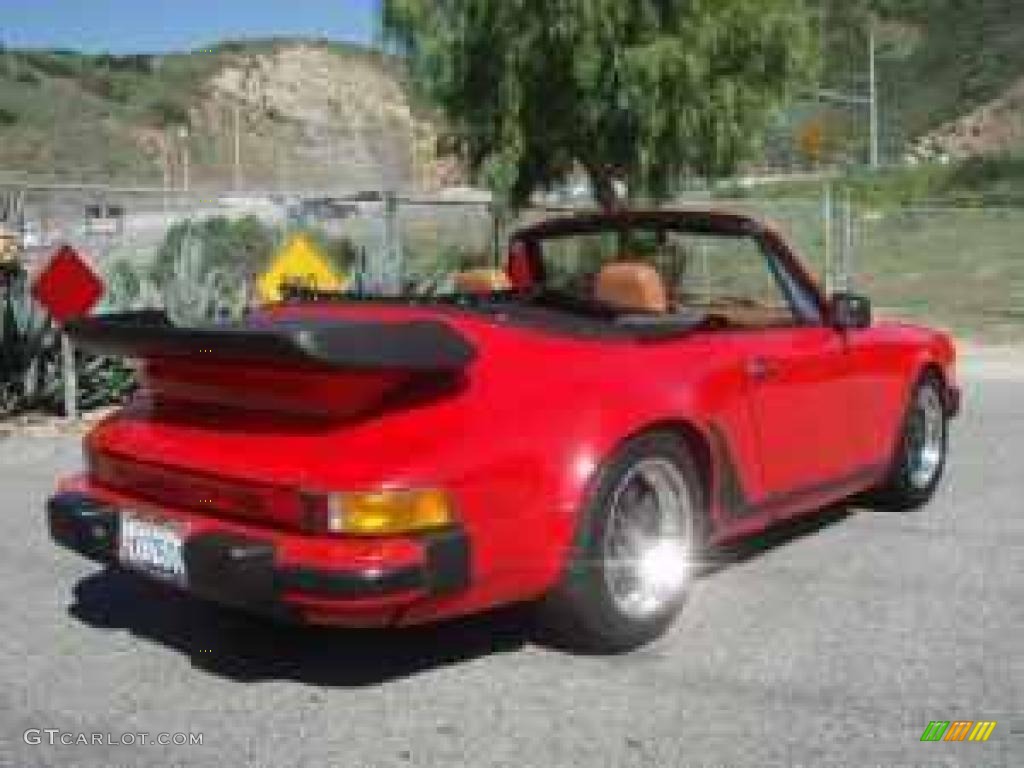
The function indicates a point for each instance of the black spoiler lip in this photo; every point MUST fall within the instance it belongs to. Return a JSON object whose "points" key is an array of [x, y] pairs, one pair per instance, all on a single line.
{"points": [[418, 345]]}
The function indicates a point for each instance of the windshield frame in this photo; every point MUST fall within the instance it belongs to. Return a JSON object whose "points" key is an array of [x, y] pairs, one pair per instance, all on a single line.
{"points": [[806, 298]]}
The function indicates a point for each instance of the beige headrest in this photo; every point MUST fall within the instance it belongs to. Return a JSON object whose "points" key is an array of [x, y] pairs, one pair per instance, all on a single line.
{"points": [[632, 287], [482, 281]]}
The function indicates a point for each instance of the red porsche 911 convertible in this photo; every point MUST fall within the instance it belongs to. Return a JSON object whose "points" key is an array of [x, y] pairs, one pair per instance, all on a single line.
{"points": [[574, 431]]}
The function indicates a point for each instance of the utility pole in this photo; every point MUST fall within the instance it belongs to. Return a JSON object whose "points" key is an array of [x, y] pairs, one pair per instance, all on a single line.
{"points": [[826, 215], [873, 75], [825, 95], [166, 158], [238, 148], [847, 270], [183, 135], [390, 268]]}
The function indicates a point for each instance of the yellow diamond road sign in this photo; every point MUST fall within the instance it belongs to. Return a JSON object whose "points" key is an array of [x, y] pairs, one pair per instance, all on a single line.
{"points": [[299, 262]]}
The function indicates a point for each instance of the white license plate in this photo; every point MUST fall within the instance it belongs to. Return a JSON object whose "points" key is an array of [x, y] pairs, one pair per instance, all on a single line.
{"points": [[155, 548]]}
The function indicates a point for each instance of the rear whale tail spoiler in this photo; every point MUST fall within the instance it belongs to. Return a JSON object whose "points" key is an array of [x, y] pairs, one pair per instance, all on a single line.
{"points": [[413, 346]]}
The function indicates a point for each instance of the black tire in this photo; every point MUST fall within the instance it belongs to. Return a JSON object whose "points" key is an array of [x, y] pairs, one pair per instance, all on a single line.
{"points": [[580, 613], [901, 490]]}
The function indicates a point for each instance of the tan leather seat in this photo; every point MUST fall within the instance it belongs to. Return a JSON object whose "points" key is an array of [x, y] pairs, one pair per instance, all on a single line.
{"points": [[632, 286], [482, 281]]}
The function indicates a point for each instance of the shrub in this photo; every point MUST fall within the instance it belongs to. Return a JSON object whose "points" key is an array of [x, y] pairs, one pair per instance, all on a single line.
{"points": [[205, 269], [341, 252], [53, 63], [231, 46], [979, 172], [243, 247], [123, 285], [136, 63], [107, 87], [27, 77], [168, 112]]}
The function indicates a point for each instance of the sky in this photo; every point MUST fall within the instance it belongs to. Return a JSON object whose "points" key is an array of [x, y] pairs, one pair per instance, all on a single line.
{"points": [[159, 26]]}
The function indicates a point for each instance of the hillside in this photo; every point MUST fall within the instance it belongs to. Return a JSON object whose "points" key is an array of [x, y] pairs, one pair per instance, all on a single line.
{"points": [[309, 113], [962, 59], [938, 61], [995, 127], [322, 114], [946, 69]]}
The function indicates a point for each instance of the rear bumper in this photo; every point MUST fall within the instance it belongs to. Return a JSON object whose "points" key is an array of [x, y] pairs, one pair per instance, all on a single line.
{"points": [[265, 572]]}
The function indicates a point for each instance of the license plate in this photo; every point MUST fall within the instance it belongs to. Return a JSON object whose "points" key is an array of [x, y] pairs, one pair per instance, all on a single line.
{"points": [[153, 547]]}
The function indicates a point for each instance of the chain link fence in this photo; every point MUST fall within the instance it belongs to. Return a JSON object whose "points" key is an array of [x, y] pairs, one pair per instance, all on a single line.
{"points": [[957, 268], [199, 258], [199, 255]]}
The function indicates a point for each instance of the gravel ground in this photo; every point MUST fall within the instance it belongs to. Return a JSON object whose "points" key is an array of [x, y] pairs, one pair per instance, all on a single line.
{"points": [[834, 644]]}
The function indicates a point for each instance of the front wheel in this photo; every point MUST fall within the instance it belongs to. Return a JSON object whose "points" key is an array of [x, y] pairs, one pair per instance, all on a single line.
{"points": [[920, 459], [635, 552]]}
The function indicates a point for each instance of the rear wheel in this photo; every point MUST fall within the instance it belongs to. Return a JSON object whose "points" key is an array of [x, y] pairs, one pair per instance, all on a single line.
{"points": [[920, 459], [636, 548]]}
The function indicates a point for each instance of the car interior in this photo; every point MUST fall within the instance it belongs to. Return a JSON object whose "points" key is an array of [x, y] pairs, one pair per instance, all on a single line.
{"points": [[653, 278]]}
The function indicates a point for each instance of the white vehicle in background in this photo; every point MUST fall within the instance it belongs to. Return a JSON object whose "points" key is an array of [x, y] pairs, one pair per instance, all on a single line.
{"points": [[102, 219], [32, 235], [264, 207]]}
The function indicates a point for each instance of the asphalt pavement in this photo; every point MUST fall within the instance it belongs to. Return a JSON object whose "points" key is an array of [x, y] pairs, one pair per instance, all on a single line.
{"points": [[834, 643]]}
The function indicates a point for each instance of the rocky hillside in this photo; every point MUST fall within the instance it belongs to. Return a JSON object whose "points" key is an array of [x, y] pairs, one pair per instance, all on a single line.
{"points": [[307, 114], [949, 81], [318, 114], [952, 76], [996, 127]]}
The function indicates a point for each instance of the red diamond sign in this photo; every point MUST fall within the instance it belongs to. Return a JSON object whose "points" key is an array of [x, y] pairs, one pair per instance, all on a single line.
{"points": [[67, 286]]}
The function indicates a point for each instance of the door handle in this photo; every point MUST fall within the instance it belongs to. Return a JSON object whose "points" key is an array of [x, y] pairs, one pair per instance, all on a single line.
{"points": [[762, 368]]}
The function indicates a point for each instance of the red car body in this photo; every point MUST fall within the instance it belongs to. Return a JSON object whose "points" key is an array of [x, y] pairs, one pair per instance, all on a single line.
{"points": [[782, 421]]}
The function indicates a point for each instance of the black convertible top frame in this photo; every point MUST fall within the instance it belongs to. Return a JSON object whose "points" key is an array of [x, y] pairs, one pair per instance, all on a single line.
{"points": [[708, 221]]}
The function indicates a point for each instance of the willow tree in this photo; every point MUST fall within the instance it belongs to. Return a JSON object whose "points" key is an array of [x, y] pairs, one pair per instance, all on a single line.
{"points": [[639, 91]]}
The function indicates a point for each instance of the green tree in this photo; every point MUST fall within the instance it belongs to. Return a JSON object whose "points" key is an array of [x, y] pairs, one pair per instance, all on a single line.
{"points": [[639, 91]]}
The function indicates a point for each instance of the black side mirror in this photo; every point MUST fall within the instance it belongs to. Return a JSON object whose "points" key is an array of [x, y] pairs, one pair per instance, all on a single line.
{"points": [[850, 311]]}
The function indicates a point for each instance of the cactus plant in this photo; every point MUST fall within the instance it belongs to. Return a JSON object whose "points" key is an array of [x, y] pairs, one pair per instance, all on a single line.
{"points": [[195, 291], [31, 373]]}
